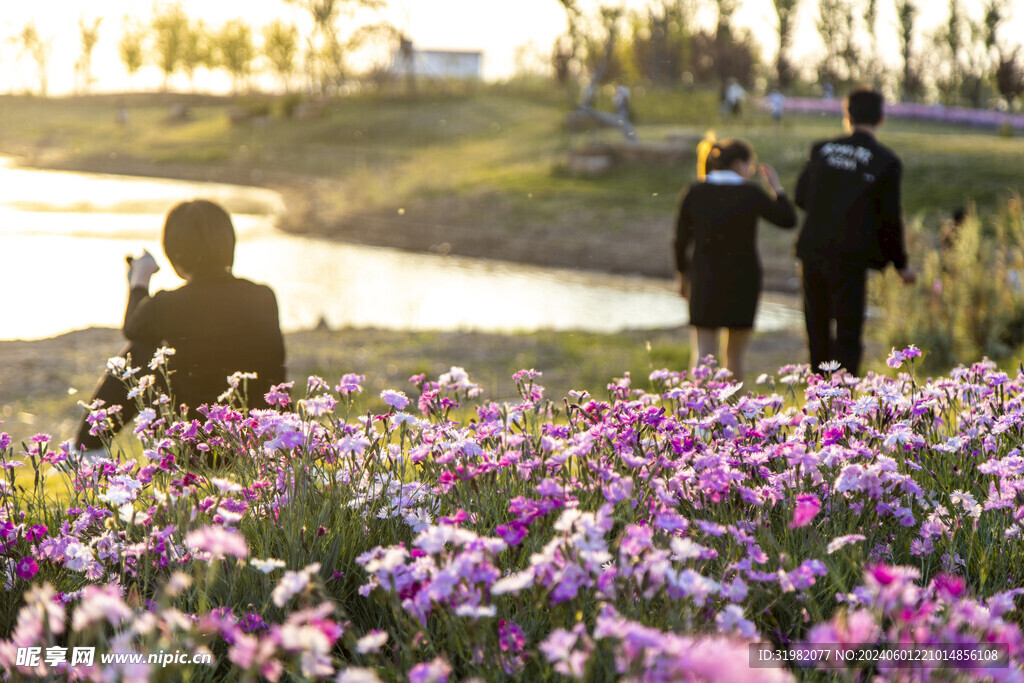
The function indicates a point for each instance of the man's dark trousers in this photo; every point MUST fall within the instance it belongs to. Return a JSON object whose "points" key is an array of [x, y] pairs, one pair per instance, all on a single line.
{"points": [[834, 291]]}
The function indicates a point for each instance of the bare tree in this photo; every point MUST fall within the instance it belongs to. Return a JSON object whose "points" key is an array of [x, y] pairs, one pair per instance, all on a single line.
{"points": [[90, 35]]}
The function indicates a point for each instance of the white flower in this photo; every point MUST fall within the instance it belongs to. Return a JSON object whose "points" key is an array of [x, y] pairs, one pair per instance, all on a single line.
{"points": [[357, 674], [371, 642], [268, 565], [475, 611], [226, 485], [839, 541], [513, 583], [292, 583], [78, 557]]}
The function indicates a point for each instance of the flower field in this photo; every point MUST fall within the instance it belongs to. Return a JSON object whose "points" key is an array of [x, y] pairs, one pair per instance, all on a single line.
{"points": [[935, 113], [653, 534]]}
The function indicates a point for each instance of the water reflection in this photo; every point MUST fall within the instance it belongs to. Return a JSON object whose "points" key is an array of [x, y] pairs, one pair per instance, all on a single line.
{"points": [[63, 238]]}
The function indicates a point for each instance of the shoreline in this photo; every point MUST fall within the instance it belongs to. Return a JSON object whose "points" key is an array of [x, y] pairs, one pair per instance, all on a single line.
{"points": [[440, 226]]}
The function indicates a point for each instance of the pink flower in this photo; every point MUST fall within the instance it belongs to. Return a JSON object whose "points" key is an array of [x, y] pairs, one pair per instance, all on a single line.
{"points": [[218, 541], [278, 394], [807, 508], [948, 585]]}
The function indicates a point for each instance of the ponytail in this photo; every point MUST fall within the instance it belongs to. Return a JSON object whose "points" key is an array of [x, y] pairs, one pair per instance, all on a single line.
{"points": [[706, 153], [720, 155]]}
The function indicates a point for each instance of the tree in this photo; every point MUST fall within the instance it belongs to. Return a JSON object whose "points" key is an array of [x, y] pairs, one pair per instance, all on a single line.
{"points": [[660, 42], [131, 48], [325, 51], [236, 51], [1009, 76], [950, 40], [89, 34], [281, 46], [911, 83], [785, 11], [169, 36], [872, 66], [196, 49], [39, 49], [724, 38], [836, 27], [567, 47]]}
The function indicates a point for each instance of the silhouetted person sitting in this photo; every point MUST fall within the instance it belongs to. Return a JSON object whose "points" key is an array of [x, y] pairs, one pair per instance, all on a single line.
{"points": [[216, 323]]}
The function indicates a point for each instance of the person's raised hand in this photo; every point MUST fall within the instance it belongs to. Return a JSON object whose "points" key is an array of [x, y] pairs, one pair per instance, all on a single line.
{"points": [[141, 269], [771, 178]]}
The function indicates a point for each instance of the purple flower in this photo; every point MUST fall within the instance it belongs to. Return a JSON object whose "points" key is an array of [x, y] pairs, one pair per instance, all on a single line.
{"points": [[252, 622], [895, 359], [510, 637], [26, 568], [435, 671], [350, 384], [395, 399]]}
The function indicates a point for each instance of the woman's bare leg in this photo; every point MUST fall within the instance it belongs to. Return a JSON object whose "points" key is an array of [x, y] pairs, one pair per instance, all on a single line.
{"points": [[736, 342], [703, 342]]}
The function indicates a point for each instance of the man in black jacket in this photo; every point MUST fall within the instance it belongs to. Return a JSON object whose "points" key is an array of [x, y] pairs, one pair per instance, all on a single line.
{"points": [[850, 189]]}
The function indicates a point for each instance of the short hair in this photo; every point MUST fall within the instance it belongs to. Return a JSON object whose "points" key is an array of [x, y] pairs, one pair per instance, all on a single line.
{"points": [[865, 106], [199, 238]]}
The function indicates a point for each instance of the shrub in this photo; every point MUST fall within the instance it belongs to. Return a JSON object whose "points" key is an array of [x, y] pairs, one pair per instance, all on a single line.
{"points": [[969, 299]]}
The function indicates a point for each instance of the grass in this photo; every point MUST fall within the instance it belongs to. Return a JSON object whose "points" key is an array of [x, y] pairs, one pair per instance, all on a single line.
{"points": [[389, 152], [483, 171]]}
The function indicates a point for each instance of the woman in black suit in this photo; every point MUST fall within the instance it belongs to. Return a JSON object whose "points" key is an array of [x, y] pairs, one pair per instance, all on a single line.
{"points": [[716, 246]]}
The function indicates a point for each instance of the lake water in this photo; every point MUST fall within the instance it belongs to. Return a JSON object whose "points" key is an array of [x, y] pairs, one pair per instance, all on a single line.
{"points": [[64, 236]]}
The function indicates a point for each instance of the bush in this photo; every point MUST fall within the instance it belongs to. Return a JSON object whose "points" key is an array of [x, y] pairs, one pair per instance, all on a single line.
{"points": [[969, 299]]}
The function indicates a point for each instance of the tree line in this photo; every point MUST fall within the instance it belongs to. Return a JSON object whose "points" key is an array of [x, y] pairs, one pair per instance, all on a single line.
{"points": [[965, 60], [178, 44]]}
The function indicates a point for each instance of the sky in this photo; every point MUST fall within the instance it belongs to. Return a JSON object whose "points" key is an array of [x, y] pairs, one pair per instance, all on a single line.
{"points": [[497, 27]]}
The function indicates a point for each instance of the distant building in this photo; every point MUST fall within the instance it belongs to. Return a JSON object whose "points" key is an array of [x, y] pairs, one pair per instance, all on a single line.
{"points": [[440, 64]]}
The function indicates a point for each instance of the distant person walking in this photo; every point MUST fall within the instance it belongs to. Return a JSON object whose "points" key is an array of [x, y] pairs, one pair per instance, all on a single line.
{"points": [[719, 271], [216, 323], [776, 104], [733, 96], [850, 189]]}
